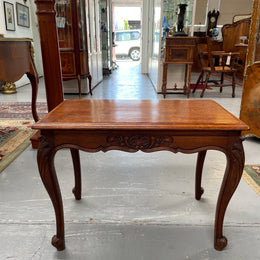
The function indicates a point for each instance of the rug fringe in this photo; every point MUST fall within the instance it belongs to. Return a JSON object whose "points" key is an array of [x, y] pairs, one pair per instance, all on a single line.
{"points": [[13, 156], [251, 182]]}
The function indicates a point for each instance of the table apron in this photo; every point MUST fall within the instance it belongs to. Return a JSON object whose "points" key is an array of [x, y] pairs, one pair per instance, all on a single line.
{"points": [[146, 141]]}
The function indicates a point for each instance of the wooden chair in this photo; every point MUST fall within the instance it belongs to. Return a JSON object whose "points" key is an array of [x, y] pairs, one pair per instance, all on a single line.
{"points": [[208, 60]]}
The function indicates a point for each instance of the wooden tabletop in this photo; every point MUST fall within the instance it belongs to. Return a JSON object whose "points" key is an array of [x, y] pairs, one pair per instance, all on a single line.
{"points": [[79, 114]]}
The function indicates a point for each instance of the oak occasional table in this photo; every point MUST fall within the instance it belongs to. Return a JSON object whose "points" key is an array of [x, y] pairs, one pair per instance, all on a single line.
{"points": [[188, 126]]}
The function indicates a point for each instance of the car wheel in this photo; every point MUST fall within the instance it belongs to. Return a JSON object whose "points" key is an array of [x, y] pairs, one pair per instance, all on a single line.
{"points": [[134, 54]]}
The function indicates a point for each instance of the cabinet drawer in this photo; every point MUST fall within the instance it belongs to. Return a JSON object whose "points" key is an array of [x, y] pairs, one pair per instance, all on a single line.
{"points": [[181, 54]]}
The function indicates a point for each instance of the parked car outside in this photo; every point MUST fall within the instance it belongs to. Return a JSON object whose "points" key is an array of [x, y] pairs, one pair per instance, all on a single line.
{"points": [[127, 43]]}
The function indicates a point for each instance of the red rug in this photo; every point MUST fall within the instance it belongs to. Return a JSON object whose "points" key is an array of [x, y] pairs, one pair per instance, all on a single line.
{"points": [[200, 86]]}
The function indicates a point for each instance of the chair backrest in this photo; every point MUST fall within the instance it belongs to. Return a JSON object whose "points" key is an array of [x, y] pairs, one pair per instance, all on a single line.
{"points": [[204, 51]]}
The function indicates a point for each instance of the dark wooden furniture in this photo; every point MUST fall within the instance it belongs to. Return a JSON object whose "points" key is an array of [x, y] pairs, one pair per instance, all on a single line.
{"points": [[16, 59], [178, 50], [250, 104], [149, 126], [232, 43], [208, 66], [196, 66], [50, 52], [72, 36]]}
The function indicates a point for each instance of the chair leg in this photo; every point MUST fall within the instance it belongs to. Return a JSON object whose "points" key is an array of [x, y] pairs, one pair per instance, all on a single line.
{"points": [[205, 84], [233, 85], [221, 82], [198, 81]]}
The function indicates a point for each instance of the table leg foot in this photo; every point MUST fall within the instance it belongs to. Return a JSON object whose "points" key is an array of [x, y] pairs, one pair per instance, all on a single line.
{"points": [[220, 243], [199, 193], [59, 243], [76, 193]]}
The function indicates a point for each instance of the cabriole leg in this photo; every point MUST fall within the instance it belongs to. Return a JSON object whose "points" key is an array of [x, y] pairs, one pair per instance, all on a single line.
{"points": [[234, 170], [47, 171]]}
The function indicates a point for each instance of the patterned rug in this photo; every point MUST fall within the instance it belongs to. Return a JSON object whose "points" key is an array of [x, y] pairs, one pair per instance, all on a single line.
{"points": [[21, 110], [15, 129], [251, 175]]}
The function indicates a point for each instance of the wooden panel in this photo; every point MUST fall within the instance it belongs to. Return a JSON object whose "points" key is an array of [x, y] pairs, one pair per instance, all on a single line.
{"points": [[179, 54], [68, 63], [231, 33], [250, 105], [50, 52], [84, 63], [231, 40]]}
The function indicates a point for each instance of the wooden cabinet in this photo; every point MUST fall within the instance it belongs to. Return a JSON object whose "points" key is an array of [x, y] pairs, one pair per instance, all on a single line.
{"points": [[178, 50], [72, 36]]}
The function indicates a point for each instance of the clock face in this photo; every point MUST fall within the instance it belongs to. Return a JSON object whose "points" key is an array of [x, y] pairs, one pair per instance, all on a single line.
{"points": [[212, 19]]}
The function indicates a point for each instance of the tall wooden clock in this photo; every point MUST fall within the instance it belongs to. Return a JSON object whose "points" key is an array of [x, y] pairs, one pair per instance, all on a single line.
{"points": [[212, 21]]}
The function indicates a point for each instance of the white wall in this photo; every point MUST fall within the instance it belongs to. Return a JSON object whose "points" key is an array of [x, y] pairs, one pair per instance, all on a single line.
{"points": [[21, 32], [154, 45]]}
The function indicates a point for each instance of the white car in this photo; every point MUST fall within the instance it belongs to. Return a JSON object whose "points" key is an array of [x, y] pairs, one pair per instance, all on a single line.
{"points": [[127, 43]]}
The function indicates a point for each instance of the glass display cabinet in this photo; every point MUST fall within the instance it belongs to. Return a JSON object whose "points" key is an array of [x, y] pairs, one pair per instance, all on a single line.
{"points": [[172, 10], [72, 36], [106, 36]]}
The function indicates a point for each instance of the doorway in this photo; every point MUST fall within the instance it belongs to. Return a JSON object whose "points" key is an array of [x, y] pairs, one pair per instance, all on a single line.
{"points": [[127, 34]]}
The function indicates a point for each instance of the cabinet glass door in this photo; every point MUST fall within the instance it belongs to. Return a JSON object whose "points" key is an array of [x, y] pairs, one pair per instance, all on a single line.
{"points": [[82, 24], [64, 23], [171, 10]]}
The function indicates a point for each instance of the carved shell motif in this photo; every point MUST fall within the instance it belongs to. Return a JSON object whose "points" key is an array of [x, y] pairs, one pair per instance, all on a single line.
{"points": [[140, 142]]}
